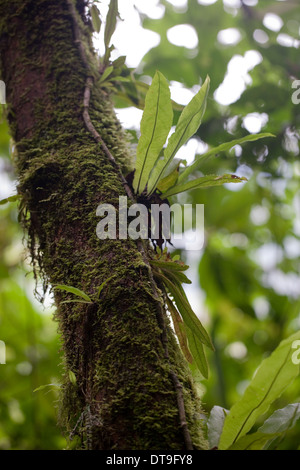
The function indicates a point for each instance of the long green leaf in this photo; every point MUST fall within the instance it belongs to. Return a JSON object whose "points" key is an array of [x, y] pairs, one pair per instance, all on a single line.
{"points": [[107, 72], [111, 22], [197, 351], [189, 317], [73, 290], [271, 378], [179, 330], [203, 182], [216, 150], [43, 387], [188, 123], [176, 276], [13, 198], [95, 14], [169, 265], [155, 126]]}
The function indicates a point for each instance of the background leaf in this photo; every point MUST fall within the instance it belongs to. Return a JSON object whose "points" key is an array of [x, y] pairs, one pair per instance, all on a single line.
{"points": [[215, 425], [95, 14], [189, 317], [282, 420], [270, 380]]}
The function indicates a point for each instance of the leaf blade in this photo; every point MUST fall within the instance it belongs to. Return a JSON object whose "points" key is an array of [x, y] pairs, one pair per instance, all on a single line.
{"points": [[189, 317], [220, 148], [73, 290], [271, 378], [155, 126], [197, 351], [111, 22], [96, 21], [282, 420], [107, 72], [13, 198], [203, 182], [179, 330], [188, 123]]}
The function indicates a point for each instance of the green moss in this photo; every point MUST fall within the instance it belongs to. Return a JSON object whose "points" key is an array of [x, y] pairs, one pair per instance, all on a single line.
{"points": [[124, 397]]}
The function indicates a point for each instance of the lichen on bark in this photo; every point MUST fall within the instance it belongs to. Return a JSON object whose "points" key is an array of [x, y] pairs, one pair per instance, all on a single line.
{"points": [[123, 397]]}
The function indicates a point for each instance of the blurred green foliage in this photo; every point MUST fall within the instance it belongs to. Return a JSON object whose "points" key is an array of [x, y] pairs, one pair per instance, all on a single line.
{"points": [[248, 270]]}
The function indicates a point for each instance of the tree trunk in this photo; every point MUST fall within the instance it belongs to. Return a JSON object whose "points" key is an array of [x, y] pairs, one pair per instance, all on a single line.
{"points": [[131, 378]]}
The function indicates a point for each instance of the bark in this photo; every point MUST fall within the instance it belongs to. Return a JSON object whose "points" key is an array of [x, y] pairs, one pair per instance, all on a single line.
{"points": [[133, 387]]}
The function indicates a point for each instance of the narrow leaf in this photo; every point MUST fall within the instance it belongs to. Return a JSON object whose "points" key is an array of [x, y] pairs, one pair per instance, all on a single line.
{"points": [[188, 123], [271, 378], [95, 14], [216, 150], [73, 290], [179, 330], [13, 198], [111, 22], [119, 78], [107, 72], [43, 387], [197, 352], [170, 265], [188, 316], [173, 270], [203, 182], [155, 127]]}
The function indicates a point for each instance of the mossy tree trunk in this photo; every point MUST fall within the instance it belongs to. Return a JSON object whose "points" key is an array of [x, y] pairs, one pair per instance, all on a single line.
{"points": [[124, 396]]}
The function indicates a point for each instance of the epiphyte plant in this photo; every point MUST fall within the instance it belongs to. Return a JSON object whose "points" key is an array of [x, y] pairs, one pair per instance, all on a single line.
{"points": [[153, 160], [153, 176]]}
